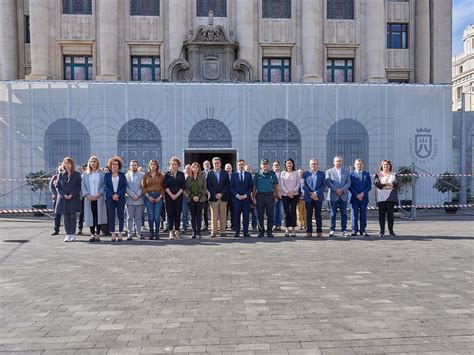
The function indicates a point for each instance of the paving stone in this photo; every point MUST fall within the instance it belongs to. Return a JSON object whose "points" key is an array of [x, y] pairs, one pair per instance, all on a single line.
{"points": [[412, 294]]}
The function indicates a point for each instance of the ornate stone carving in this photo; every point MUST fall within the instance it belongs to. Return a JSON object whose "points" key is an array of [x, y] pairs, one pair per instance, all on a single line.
{"points": [[279, 129], [209, 56], [280, 139], [210, 133], [139, 129]]}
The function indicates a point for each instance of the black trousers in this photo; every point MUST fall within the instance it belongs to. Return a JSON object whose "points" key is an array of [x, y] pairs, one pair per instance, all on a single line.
{"points": [[265, 203], [57, 218], [289, 205], [70, 223], [95, 229], [81, 215], [317, 206], [386, 208], [195, 208], [173, 211]]}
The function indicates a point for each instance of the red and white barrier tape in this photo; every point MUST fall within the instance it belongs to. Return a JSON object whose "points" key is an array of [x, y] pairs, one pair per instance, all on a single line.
{"points": [[26, 210], [435, 175], [411, 174], [371, 208]]}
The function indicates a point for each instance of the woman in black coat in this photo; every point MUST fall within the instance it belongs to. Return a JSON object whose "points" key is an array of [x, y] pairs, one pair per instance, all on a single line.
{"points": [[174, 185], [69, 199]]}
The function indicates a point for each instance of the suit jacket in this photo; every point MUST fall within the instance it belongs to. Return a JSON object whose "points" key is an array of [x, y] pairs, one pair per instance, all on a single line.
{"points": [[71, 186], [109, 187], [134, 187], [202, 188], [238, 187], [358, 186], [215, 187], [333, 184], [320, 185], [101, 209]]}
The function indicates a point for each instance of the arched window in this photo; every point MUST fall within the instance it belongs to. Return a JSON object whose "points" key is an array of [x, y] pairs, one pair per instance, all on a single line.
{"points": [[276, 8], [340, 9], [349, 139], [139, 139], [66, 137], [210, 133], [280, 139], [218, 6]]}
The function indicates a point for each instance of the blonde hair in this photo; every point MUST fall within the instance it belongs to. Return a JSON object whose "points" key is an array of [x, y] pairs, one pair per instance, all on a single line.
{"points": [[174, 159], [89, 168]]}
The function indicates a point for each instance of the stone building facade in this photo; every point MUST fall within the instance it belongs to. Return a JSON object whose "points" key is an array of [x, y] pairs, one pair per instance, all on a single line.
{"points": [[155, 78], [265, 40], [463, 72]]}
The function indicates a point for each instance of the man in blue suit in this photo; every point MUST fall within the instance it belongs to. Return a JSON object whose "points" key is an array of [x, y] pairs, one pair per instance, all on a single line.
{"points": [[338, 181], [314, 183], [360, 187], [241, 185]]}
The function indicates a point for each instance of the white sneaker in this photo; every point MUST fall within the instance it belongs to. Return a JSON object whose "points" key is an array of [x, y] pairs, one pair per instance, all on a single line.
{"points": [[332, 234], [72, 238], [66, 239], [345, 234]]}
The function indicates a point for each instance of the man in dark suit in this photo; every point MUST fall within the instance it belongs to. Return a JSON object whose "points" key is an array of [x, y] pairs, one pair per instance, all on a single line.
{"points": [[218, 187], [360, 187], [314, 183], [241, 185]]}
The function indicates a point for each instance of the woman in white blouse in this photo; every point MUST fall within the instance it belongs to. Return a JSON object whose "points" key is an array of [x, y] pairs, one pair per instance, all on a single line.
{"points": [[290, 192], [386, 195], [95, 213]]}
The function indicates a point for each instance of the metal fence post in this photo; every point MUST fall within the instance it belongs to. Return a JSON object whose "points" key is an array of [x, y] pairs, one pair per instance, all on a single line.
{"points": [[463, 192], [413, 192]]}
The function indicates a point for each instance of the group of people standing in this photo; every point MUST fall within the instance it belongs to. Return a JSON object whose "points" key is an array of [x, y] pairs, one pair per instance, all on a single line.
{"points": [[104, 195]]}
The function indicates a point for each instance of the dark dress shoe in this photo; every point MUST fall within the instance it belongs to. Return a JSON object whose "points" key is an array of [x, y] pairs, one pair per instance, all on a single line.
{"points": [[236, 235], [381, 234], [364, 234], [392, 234], [246, 235], [354, 234], [55, 233], [260, 235], [270, 235], [308, 235]]}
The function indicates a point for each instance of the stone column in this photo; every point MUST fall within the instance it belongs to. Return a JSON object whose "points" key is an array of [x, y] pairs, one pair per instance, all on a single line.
{"points": [[245, 30], [177, 28], [9, 40], [108, 40], [39, 37], [312, 24], [422, 42], [375, 40], [441, 27]]}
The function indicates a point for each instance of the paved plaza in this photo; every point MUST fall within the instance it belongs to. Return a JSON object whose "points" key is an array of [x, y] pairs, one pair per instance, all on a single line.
{"points": [[246, 296]]}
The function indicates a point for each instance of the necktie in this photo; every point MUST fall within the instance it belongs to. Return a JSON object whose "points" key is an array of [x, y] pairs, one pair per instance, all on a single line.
{"points": [[241, 176], [360, 175], [217, 177], [314, 178]]}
